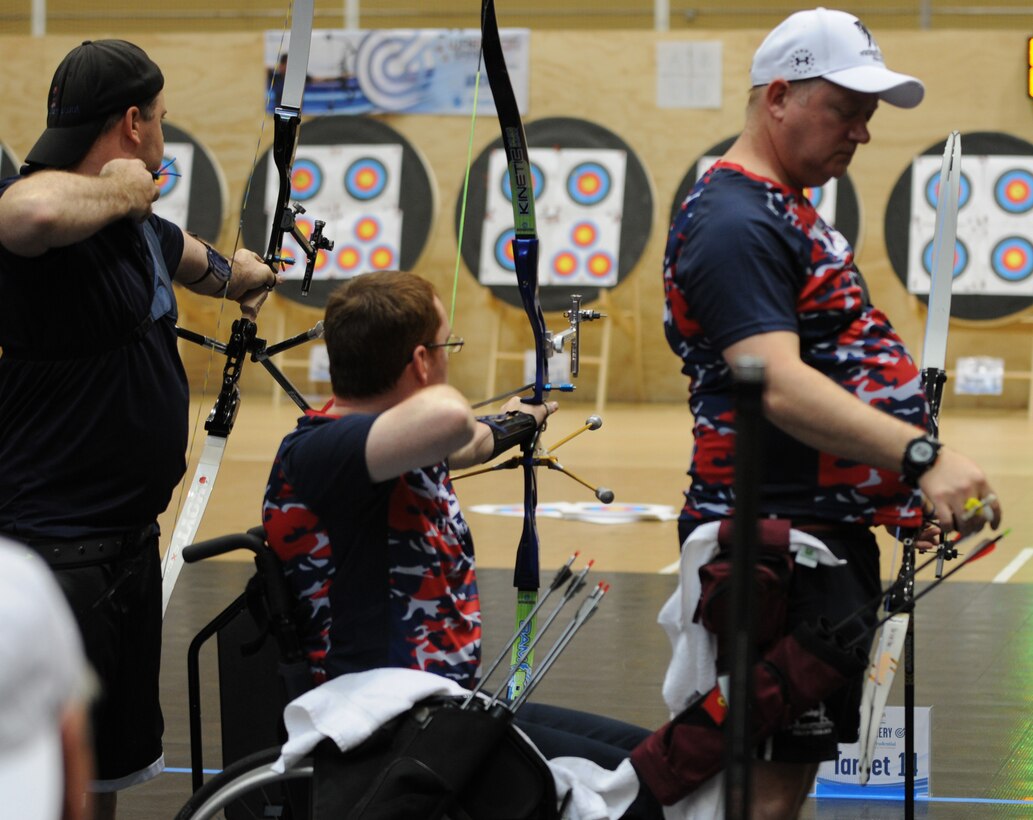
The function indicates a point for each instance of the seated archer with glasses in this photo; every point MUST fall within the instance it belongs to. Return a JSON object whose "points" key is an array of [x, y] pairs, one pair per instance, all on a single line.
{"points": [[361, 510]]}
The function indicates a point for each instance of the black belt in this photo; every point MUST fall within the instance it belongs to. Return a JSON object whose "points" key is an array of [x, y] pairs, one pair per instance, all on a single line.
{"points": [[85, 552]]}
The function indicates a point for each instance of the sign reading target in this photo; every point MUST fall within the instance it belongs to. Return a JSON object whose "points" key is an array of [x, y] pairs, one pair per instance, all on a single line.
{"points": [[995, 216], [355, 190], [579, 200]]}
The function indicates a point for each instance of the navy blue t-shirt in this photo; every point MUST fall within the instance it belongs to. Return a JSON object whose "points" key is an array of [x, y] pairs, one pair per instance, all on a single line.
{"points": [[747, 256], [384, 570], [93, 424]]}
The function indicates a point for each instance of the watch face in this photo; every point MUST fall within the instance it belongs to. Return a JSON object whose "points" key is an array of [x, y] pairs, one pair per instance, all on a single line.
{"points": [[922, 452]]}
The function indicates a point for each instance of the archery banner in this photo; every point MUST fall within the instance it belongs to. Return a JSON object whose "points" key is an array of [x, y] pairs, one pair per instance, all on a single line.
{"points": [[415, 71]]}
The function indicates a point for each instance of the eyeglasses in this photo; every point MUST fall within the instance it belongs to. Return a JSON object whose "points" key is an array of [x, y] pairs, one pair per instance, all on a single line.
{"points": [[452, 345]]}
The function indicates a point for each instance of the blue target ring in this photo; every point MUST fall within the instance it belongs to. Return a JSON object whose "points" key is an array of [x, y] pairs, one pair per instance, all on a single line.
{"points": [[504, 250], [1012, 259], [589, 183], [306, 179], [815, 195], [537, 183], [932, 191], [960, 258], [365, 179], [1013, 191]]}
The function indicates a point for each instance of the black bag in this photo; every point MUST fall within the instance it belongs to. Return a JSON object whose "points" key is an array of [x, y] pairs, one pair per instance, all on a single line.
{"points": [[432, 760]]}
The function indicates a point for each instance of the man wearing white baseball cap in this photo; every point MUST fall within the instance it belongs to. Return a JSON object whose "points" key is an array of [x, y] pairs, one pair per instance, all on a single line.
{"points": [[836, 46], [752, 270], [45, 688]]}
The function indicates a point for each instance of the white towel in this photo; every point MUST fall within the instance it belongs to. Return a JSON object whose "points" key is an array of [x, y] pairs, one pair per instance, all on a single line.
{"points": [[349, 708]]}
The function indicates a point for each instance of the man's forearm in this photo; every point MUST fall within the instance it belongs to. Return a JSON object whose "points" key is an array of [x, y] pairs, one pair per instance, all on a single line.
{"points": [[52, 209]]}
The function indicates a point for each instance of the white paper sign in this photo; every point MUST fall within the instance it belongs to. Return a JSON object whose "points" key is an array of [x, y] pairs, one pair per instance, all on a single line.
{"points": [[688, 75], [839, 777]]}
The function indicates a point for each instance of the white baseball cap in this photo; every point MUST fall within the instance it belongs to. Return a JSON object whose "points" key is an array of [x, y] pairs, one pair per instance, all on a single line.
{"points": [[837, 46], [42, 671]]}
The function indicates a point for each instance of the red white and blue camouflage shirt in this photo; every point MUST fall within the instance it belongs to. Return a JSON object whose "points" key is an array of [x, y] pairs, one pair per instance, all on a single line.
{"points": [[745, 256], [384, 571]]}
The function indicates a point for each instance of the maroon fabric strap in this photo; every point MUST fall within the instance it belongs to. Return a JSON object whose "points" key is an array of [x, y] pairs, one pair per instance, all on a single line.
{"points": [[797, 673], [774, 533], [771, 578]]}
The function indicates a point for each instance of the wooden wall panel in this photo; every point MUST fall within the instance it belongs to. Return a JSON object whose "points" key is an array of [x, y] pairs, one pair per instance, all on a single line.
{"points": [[70, 16], [975, 82]]}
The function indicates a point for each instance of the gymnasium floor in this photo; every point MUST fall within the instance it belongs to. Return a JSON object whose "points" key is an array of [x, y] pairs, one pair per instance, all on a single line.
{"points": [[974, 634]]}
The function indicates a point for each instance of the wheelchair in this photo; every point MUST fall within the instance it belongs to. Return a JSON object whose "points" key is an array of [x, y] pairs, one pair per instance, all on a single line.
{"points": [[261, 668], [437, 760]]}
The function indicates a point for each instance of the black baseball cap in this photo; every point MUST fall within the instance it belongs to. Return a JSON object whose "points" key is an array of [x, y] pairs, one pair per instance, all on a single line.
{"points": [[94, 81]]}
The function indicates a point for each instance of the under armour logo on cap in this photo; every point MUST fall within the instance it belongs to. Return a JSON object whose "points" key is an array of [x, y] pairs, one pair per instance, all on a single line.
{"points": [[861, 27]]}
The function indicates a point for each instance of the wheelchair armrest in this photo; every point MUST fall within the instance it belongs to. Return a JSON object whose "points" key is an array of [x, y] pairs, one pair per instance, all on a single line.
{"points": [[223, 544]]}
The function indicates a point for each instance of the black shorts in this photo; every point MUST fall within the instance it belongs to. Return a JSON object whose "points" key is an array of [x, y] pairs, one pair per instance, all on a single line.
{"points": [[835, 593], [118, 608]]}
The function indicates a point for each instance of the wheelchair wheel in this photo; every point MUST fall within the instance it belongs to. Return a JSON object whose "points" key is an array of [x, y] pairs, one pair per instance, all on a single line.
{"points": [[251, 789]]}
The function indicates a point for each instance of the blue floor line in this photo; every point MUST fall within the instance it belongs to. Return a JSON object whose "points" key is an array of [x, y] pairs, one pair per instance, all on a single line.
{"points": [[889, 798], [924, 799]]}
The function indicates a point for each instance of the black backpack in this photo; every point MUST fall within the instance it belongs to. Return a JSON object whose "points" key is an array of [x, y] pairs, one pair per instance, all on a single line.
{"points": [[436, 760]]}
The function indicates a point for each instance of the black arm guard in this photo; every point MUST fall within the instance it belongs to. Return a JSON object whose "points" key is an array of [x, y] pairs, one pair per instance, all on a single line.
{"points": [[509, 429]]}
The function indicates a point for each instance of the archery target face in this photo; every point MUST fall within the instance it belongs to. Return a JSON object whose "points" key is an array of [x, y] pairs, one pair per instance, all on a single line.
{"points": [[191, 189], [994, 255], [356, 191], [836, 202], [579, 196], [173, 192]]}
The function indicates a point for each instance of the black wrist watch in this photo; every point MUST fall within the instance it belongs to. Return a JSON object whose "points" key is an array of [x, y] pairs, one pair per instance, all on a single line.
{"points": [[919, 455]]}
